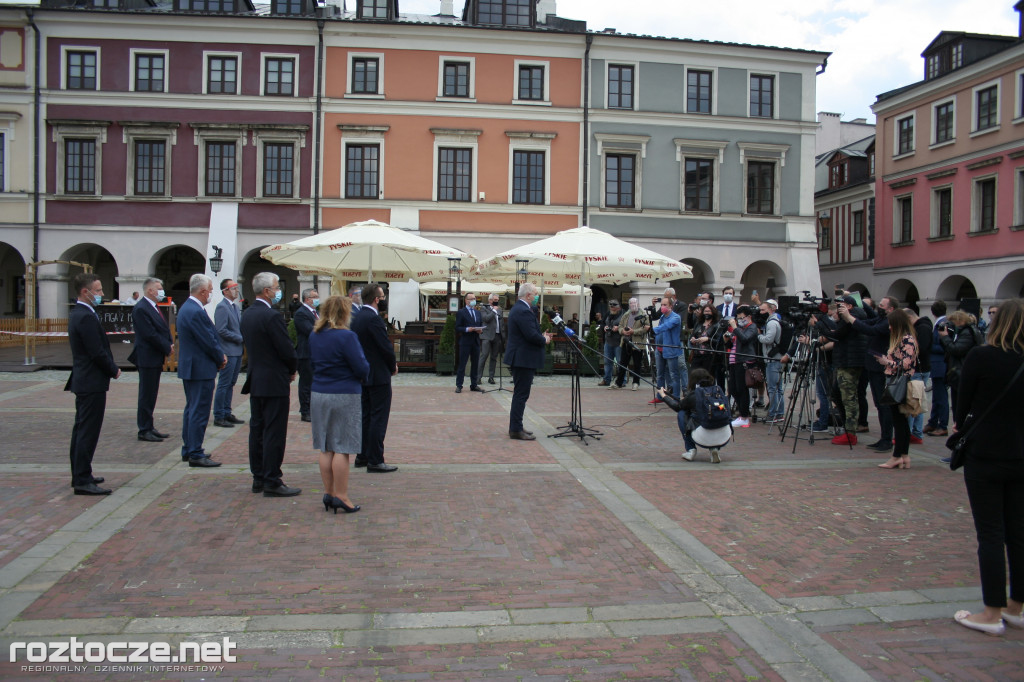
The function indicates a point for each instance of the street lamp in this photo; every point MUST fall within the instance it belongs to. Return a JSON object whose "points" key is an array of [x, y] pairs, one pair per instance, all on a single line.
{"points": [[825, 221], [216, 262], [522, 272], [454, 274]]}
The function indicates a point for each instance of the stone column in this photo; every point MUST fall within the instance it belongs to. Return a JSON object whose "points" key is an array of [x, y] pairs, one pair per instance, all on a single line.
{"points": [[130, 283]]}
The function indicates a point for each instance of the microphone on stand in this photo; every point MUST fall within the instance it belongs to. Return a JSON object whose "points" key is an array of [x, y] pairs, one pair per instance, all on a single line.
{"points": [[559, 323]]}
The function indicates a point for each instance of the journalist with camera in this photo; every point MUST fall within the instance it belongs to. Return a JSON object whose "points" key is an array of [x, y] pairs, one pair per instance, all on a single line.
{"points": [[680, 309], [612, 341], [706, 339], [848, 360], [741, 342], [634, 326], [876, 330], [771, 346], [667, 349]]}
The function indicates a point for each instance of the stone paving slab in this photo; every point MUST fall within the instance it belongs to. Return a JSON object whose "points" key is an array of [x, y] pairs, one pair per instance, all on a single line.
{"points": [[826, 532]]}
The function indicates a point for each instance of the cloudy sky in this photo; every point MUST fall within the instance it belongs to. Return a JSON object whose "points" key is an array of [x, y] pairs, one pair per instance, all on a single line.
{"points": [[875, 44]]}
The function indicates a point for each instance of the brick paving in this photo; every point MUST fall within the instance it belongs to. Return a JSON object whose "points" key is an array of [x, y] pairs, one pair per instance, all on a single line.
{"points": [[490, 558]]}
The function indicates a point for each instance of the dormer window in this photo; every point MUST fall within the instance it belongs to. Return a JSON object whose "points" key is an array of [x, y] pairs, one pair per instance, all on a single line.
{"points": [[944, 60], [375, 9], [838, 173], [504, 12]]}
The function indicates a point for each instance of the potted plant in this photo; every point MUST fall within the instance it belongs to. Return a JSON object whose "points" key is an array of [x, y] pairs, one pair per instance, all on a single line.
{"points": [[549, 354], [444, 358]]}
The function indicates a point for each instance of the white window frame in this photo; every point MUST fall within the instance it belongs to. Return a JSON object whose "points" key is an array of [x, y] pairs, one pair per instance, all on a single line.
{"points": [[134, 52], [64, 49], [264, 56], [296, 136], [219, 133], [933, 227], [975, 131], [896, 153], [546, 102], [130, 134], [897, 218], [350, 76], [701, 149], [935, 144], [636, 84], [461, 139], [206, 72], [976, 203], [530, 142], [360, 134], [85, 129], [623, 144], [441, 97], [776, 96], [714, 91], [7, 120]]}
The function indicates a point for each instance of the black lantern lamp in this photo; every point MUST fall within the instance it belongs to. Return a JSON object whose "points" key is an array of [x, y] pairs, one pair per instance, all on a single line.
{"points": [[216, 262]]}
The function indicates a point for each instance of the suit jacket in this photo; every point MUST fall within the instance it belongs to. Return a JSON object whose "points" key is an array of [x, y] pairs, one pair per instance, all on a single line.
{"points": [[93, 363], [723, 307], [304, 321], [272, 358], [228, 320], [377, 347], [199, 351], [525, 342], [467, 317], [152, 336], [491, 328]]}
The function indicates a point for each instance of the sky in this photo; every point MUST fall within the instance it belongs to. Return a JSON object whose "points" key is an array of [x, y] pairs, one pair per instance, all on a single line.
{"points": [[876, 45]]}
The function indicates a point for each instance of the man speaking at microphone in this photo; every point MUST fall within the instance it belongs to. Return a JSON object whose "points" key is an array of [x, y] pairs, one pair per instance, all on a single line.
{"points": [[524, 355]]}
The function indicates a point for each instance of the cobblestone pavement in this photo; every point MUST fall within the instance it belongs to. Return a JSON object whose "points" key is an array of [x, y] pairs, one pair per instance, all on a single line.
{"points": [[483, 557]]}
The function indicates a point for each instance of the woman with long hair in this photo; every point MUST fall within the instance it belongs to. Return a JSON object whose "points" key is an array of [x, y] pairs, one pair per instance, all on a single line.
{"points": [[994, 467], [902, 357], [706, 337], [339, 369], [957, 337]]}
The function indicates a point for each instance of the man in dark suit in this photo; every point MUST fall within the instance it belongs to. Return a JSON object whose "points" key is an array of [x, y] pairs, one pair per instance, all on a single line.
{"points": [[729, 304], [490, 337], [376, 398], [227, 319], [469, 324], [93, 366], [272, 367], [524, 355], [152, 345], [200, 356], [305, 317]]}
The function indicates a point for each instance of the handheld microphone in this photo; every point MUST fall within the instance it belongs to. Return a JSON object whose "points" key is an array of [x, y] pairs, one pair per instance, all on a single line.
{"points": [[559, 323]]}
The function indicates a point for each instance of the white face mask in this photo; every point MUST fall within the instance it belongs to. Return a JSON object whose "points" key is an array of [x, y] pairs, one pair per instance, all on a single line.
{"points": [[160, 295], [727, 298]]}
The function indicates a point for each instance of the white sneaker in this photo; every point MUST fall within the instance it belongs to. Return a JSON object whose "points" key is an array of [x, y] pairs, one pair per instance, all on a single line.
{"points": [[636, 386], [740, 422], [689, 454], [715, 459], [614, 386]]}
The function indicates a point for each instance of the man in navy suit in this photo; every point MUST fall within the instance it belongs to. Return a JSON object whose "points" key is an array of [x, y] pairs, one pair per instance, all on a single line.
{"points": [[376, 397], [152, 345], [200, 356], [524, 355], [469, 323], [305, 317], [227, 319], [92, 368], [272, 367]]}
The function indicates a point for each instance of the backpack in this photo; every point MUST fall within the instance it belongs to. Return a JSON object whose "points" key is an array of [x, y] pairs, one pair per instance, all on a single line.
{"points": [[785, 339], [712, 410]]}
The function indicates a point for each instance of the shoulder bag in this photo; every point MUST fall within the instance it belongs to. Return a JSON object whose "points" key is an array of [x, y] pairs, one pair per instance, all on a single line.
{"points": [[895, 391], [957, 443]]}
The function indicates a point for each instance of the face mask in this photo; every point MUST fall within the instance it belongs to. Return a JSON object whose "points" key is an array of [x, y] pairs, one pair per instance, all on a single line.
{"points": [[665, 310], [536, 299], [316, 302], [727, 298], [97, 299], [277, 296], [160, 295], [742, 321], [471, 304], [708, 316], [633, 307]]}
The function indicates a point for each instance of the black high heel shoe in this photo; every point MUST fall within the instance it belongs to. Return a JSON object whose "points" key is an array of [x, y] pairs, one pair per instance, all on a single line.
{"points": [[338, 504], [327, 503]]}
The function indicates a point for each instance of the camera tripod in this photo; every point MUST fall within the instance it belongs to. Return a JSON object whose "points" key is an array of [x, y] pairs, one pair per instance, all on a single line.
{"points": [[499, 365], [810, 367]]}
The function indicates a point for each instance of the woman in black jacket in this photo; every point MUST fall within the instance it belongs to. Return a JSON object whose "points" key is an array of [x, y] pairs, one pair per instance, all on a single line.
{"points": [[706, 337], [994, 468], [958, 337]]}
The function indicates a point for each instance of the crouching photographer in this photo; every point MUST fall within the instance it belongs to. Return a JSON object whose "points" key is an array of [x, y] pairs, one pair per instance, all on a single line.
{"points": [[703, 415], [741, 342]]}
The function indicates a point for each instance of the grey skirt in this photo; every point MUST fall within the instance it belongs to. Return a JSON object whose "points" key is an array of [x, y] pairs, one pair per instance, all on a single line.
{"points": [[337, 422]]}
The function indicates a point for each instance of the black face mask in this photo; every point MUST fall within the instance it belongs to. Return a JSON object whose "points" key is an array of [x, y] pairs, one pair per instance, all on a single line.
{"points": [[708, 317]]}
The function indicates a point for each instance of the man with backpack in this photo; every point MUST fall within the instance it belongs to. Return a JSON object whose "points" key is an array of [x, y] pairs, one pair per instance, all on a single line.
{"points": [[703, 415], [773, 346]]}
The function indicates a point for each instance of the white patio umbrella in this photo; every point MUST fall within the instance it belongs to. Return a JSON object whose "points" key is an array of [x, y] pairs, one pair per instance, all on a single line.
{"points": [[368, 248], [441, 288]]}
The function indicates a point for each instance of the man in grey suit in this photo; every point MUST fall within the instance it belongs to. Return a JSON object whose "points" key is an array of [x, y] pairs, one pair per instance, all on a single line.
{"points": [[490, 337], [227, 320]]}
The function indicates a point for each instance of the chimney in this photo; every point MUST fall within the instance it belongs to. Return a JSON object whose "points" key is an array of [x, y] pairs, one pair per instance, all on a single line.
{"points": [[546, 7], [447, 8]]}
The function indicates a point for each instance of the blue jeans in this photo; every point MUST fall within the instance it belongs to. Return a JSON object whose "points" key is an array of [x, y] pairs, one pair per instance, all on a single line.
{"points": [[917, 423], [225, 384], [668, 366], [773, 373], [939, 418], [682, 418], [823, 400], [610, 351], [684, 373]]}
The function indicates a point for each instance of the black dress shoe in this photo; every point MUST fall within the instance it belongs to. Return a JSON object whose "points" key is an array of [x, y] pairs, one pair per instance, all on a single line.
{"points": [[458, 389], [528, 433], [95, 479], [359, 462], [490, 381], [223, 423], [521, 435], [881, 447], [233, 419], [381, 468], [150, 437], [305, 418], [476, 388], [280, 491], [91, 489], [203, 462], [257, 486], [158, 434]]}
